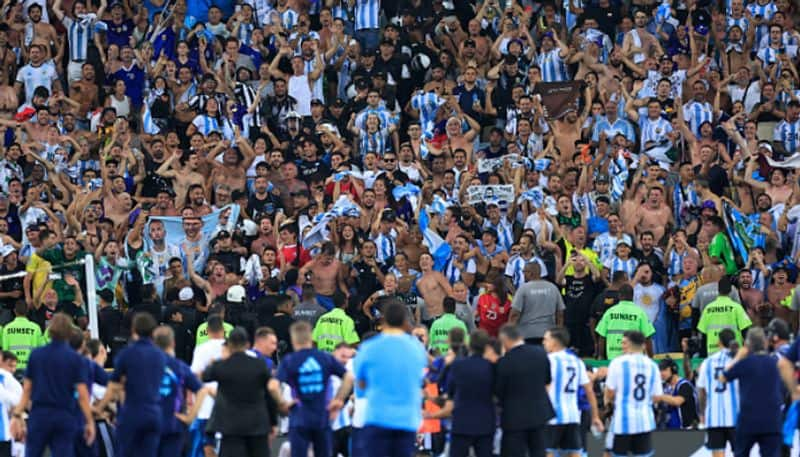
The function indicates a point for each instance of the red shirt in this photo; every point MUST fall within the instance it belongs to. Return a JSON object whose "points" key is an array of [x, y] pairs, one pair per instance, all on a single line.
{"points": [[290, 254], [491, 314]]}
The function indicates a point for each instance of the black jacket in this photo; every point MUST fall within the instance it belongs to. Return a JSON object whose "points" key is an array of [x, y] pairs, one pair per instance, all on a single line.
{"points": [[470, 388], [521, 387], [240, 408]]}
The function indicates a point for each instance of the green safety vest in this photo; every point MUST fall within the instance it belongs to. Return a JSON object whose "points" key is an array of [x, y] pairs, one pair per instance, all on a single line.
{"points": [[618, 319], [718, 315], [332, 328], [440, 329], [21, 336], [202, 332]]}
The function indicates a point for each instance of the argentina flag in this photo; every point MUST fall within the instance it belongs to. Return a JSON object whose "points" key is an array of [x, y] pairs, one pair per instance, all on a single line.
{"points": [[439, 249]]}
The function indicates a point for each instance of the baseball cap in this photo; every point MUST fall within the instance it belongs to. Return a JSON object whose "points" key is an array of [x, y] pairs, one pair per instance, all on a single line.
{"points": [[339, 103], [300, 193], [623, 242], [316, 101], [388, 216], [709, 204], [236, 294], [765, 145], [602, 178], [293, 115], [223, 234], [6, 250], [186, 294]]}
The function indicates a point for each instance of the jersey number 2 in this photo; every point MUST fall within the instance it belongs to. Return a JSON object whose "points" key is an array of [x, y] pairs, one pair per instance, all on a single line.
{"points": [[568, 387]]}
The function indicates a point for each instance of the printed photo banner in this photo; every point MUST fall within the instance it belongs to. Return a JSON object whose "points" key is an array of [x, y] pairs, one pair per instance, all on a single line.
{"points": [[560, 97], [490, 165], [501, 194]]}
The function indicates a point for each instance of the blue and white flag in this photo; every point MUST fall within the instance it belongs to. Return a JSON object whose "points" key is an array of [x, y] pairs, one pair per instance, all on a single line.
{"points": [[319, 232], [438, 205], [406, 190], [221, 219], [438, 248], [745, 234], [149, 126]]}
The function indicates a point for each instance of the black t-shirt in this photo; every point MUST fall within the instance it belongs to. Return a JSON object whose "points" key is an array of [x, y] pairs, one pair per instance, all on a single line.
{"points": [[313, 170], [579, 293], [11, 285], [266, 206], [152, 182], [604, 301], [280, 322], [717, 179], [266, 307], [366, 280]]}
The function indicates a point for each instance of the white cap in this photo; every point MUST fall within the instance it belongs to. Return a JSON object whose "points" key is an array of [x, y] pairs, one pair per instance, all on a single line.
{"points": [[6, 249], [186, 294], [236, 294]]}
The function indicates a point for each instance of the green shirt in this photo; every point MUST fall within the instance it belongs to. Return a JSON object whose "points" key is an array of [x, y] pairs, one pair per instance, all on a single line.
{"points": [[718, 315], [56, 258], [21, 337], [202, 332], [720, 248], [332, 328], [617, 320], [440, 329]]}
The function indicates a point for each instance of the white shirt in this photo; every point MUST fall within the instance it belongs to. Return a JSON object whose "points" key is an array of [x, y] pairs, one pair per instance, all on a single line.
{"points": [[204, 355]]}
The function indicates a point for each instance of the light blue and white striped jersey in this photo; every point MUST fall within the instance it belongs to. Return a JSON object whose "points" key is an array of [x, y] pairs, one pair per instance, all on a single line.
{"points": [[12, 391], [653, 130], [32, 77], [387, 247], [769, 56], [316, 91], [377, 142], [342, 419], [605, 245], [741, 22], [341, 9], [453, 273], [552, 65], [367, 14], [683, 198], [571, 18], [635, 380], [206, 124], [722, 398], [610, 130], [696, 113], [289, 18], [427, 103], [766, 11], [786, 133], [615, 264], [568, 373], [505, 232], [245, 33], [760, 280], [78, 35], [675, 262], [516, 265]]}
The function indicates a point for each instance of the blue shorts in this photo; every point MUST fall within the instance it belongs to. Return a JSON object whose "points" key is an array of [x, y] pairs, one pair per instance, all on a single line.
{"points": [[387, 442], [198, 438], [326, 301]]}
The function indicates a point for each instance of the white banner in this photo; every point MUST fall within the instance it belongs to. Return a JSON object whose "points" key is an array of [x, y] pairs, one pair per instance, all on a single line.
{"points": [[477, 194], [490, 165]]}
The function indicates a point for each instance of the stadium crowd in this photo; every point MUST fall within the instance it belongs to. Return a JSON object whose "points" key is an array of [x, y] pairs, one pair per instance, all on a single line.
{"points": [[397, 228]]}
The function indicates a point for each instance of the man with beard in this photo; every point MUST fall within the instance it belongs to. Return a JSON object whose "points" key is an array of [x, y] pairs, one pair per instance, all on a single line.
{"points": [[160, 252], [579, 290], [777, 292], [196, 200], [277, 107], [567, 131], [753, 299], [195, 242], [184, 176]]}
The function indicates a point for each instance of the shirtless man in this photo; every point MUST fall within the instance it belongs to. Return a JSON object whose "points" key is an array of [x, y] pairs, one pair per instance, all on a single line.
{"points": [[654, 215], [44, 33], [183, 176], [232, 170], [433, 288], [326, 276], [165, 204], [568, 129], [752, 299], [85, 91], [777, 292]]}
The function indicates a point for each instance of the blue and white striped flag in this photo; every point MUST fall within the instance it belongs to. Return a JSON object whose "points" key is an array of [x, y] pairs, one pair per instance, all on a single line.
{"points": [[439, 249], [406, 190], [149, 126], [438, 205]]}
